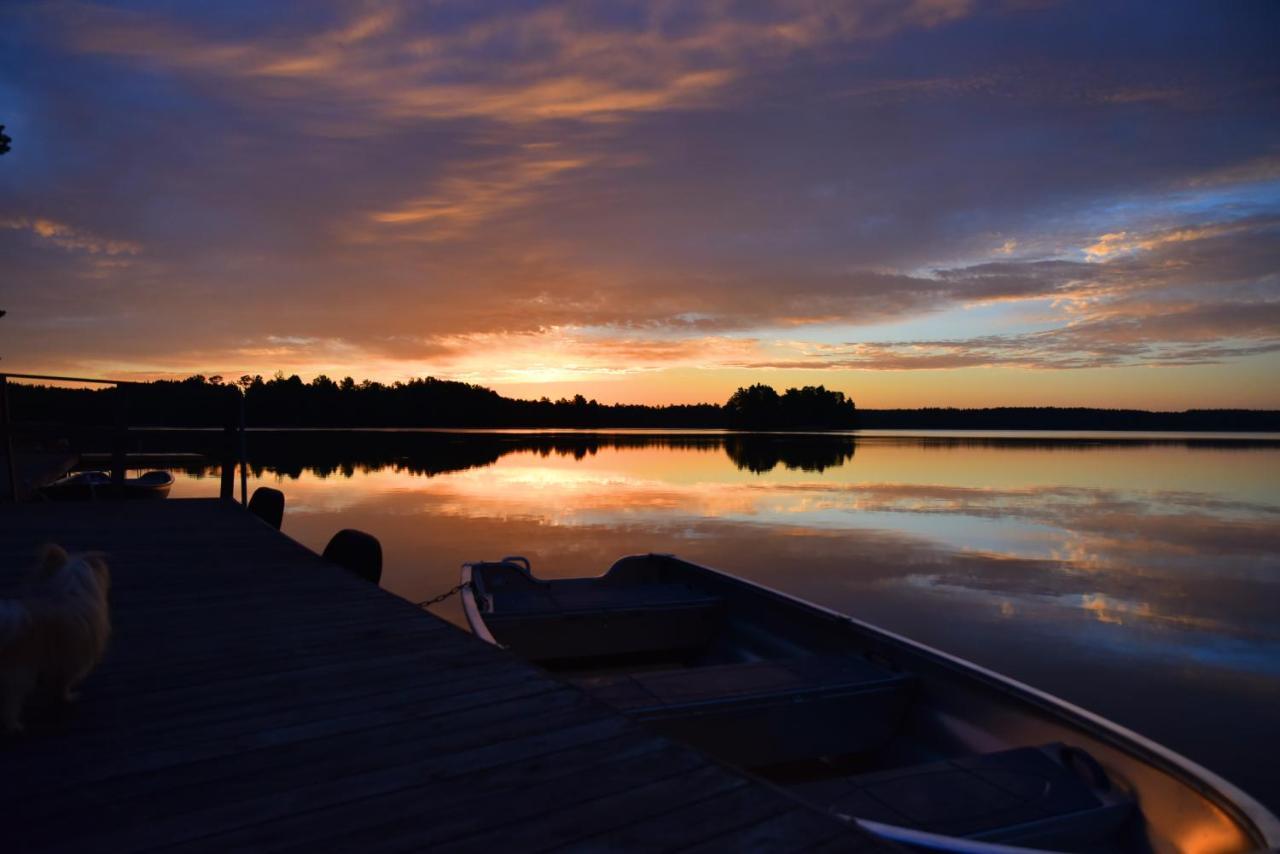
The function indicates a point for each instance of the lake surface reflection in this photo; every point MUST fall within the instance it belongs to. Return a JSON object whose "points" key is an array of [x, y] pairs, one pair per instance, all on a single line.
{"points": [[1139, 578]]}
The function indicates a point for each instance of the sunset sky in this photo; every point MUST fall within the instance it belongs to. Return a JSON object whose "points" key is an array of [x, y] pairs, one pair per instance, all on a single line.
{"points": [[937, 202]]}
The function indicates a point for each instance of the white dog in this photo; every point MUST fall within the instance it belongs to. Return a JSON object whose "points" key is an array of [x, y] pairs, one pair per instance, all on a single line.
{"points": [[54, 634]]}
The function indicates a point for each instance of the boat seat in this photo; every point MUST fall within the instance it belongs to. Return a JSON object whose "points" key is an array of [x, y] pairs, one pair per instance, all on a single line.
{"points": [[764, 712], [577, 619], [1027, 796], [568, 596]]}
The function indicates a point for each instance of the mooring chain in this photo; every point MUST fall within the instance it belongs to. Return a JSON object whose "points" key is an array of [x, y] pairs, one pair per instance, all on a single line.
{"points": [[427, 603]]}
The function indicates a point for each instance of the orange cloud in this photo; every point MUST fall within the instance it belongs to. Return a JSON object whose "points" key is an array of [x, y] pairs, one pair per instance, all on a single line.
{"points": [[557, 64], [1118, 242], [70, 238], [478, 192]]}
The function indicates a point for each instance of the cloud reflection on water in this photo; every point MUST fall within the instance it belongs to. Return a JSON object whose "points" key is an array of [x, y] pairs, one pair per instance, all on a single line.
{"points": [[1167, 556]]}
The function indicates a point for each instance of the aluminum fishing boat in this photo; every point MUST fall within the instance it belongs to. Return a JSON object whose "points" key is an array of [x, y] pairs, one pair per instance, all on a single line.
{"points": [[916, 745]]}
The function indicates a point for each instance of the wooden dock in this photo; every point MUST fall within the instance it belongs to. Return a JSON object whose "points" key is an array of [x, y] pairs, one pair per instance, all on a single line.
{"points": [[256, 697]]}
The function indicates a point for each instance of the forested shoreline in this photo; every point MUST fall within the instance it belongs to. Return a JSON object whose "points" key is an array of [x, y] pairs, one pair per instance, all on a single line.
{"points": [[282, 401]]}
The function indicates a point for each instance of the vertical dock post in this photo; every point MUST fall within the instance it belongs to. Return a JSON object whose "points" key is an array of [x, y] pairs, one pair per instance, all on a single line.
{"points": [[244, 455], [230, 425], [6, 436], [119, 440]]}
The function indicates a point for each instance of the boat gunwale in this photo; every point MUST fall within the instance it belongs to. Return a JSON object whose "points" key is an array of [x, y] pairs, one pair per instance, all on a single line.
{"points": [[1245, 810]]}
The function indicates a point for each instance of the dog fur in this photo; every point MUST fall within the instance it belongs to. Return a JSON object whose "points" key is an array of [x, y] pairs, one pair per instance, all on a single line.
{"points": [[54, 634]]}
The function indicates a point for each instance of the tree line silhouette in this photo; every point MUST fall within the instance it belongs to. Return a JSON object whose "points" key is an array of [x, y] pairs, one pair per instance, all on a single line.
{"points": [[1070, 418], [282, 401]]}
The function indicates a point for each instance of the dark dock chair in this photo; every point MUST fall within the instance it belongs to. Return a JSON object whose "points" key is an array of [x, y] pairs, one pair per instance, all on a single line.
{"points": [[357, 552], [268, 505]]}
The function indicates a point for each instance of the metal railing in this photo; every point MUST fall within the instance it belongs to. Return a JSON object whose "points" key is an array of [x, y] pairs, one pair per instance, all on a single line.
{"points": [[233, 428]]}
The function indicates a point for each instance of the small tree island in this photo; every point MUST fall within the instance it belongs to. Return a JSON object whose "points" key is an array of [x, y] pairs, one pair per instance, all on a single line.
{"points": [[759, 407]]}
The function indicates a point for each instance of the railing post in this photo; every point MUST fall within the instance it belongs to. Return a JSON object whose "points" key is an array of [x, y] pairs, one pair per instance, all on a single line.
{"points": [[119, 441], [6, 435], [230, 424], [244, 457]]}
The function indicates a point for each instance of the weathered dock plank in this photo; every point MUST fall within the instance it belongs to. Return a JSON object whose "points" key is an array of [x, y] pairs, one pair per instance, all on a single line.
{"points": [[258, 697]]}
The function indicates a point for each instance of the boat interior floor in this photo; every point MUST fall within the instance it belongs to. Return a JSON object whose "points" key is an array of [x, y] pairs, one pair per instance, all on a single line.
{"points": [[833, 715], [796, 678], [763, 712]]}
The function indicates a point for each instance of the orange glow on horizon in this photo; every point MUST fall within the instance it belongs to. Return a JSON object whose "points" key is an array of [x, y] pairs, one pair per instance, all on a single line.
{"points": [[1247, 386]]}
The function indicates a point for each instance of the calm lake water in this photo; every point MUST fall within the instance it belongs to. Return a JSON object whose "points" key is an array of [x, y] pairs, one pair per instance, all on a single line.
{"points": [[1137, 577]]}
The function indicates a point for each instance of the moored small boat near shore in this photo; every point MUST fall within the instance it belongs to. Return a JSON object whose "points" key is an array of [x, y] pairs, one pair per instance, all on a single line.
{"points": [[89, 485], [917, 745]]}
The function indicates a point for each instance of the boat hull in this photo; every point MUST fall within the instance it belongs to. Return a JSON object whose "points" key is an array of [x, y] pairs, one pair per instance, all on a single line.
{"points": [[90, 486]]}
